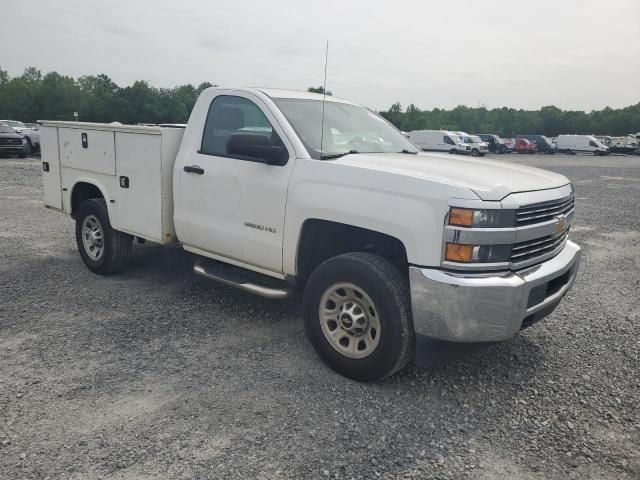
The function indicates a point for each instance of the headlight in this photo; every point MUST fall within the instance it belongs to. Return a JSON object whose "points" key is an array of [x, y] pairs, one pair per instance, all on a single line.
{"points": [[467, 217], [460, 253]]}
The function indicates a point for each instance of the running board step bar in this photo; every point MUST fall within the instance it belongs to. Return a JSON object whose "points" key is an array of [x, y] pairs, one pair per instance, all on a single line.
{"points": [[242, 279]]}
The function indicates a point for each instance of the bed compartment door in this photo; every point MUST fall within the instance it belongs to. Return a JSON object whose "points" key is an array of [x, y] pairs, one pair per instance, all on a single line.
{"points": [[138, 198], [51, 167], [88, 150]]}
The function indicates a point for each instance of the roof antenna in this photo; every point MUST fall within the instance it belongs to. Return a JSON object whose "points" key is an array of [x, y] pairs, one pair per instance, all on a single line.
{"points": [[324, 96]]}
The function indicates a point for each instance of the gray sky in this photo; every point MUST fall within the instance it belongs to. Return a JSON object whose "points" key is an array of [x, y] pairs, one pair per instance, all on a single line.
{"points": [[576, 54]]}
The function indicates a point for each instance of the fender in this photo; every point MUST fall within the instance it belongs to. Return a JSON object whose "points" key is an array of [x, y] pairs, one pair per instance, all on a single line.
{"points": [[67, 195]]}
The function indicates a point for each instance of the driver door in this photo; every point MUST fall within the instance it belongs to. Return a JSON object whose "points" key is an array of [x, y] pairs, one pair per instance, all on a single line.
{"points": [[231, 205]]}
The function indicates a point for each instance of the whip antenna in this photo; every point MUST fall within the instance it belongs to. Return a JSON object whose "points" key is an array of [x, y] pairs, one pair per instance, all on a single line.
{"points": [[324, 96]]}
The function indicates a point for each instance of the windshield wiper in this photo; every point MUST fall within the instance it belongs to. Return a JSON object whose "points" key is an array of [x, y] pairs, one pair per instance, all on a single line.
{"points": [[337, 155]]}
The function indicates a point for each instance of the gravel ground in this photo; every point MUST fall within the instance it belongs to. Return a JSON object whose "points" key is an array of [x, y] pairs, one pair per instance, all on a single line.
{"points": [[156, 373]]}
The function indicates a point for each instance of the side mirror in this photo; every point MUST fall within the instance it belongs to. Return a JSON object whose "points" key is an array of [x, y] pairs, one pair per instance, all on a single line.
{"points": [[257, 148]]}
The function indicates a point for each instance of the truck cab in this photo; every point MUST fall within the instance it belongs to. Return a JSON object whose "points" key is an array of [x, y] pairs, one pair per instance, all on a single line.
{"points": [[282, 192]]}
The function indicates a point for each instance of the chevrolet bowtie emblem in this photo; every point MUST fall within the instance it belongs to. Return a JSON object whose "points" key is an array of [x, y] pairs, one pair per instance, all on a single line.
{"points": [[561, 223]]}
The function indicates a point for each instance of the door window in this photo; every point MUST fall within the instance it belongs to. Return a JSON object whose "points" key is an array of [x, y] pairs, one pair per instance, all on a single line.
{"points": [[448, 140], [237, 128]]}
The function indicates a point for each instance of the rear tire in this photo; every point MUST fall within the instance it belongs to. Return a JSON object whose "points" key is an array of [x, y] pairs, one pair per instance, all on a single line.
{"points": [[103, 249], [367, 293]]}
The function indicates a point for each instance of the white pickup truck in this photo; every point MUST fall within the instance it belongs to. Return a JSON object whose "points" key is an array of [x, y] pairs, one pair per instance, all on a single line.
{"points": [[395, 249]]}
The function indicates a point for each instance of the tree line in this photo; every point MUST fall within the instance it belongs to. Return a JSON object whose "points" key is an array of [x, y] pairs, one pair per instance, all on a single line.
{"points": [[33, 96], [509, 122]]}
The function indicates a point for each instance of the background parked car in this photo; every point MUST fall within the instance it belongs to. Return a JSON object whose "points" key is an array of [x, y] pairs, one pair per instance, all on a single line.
{"points": [[510, 143], [544, 144], [581, 144], [32, 136], [496, 144], [626, 144], [439, 141], [12, 143], [479, 148], [525, 146]]}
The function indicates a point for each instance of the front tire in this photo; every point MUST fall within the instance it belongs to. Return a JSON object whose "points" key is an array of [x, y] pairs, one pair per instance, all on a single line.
{"points": [[475, 152], [357, 316], [103, 249]]}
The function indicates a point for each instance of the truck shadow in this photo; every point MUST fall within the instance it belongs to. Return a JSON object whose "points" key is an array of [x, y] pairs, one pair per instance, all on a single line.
{"points": [[173, 266], [161, 278]]}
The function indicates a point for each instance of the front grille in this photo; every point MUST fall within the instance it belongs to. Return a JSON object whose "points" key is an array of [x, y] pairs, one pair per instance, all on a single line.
{"points": [[531, 249], [10, 141], [544, 211]]}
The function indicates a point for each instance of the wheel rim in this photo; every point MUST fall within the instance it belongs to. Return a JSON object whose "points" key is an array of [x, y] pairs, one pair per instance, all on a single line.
{"points": [[474, 152], [350, 321], [93, 237]]}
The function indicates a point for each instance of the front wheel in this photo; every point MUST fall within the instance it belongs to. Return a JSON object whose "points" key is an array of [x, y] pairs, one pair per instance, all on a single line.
{"points": [[475, 152], [103, 249], [357, 316]]}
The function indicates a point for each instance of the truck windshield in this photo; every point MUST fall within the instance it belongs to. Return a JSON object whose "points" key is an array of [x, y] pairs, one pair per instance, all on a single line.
{"points": [[347, 128]]}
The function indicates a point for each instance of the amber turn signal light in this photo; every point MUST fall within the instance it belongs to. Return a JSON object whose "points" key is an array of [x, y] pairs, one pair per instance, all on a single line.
{"points": [[459, 253], [461, 216]]}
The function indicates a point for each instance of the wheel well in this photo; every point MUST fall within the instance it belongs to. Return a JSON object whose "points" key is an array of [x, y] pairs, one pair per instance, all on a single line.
{"points": [[322, 239], [82, 192]]}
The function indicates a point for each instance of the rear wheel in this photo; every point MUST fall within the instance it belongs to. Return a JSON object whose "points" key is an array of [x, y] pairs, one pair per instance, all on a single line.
{"points": [[358, 317], [103, 249]]}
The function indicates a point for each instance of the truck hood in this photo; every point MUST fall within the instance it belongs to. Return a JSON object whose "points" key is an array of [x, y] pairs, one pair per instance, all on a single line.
{"points": [[489, 179]]}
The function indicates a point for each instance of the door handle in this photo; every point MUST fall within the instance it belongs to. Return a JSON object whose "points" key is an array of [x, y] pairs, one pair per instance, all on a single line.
{"points": [[194, 169]]}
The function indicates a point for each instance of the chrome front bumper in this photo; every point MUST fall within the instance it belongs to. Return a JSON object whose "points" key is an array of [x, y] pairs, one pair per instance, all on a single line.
{"points": [[473, 307]]}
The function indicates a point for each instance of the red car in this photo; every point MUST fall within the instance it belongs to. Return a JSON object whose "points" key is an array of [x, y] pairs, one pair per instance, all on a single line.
{"points": [[525, 146]]}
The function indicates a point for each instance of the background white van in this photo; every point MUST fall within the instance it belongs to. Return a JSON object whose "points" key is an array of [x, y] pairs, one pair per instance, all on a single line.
{"points": [[581, 144], [439, 141]]}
